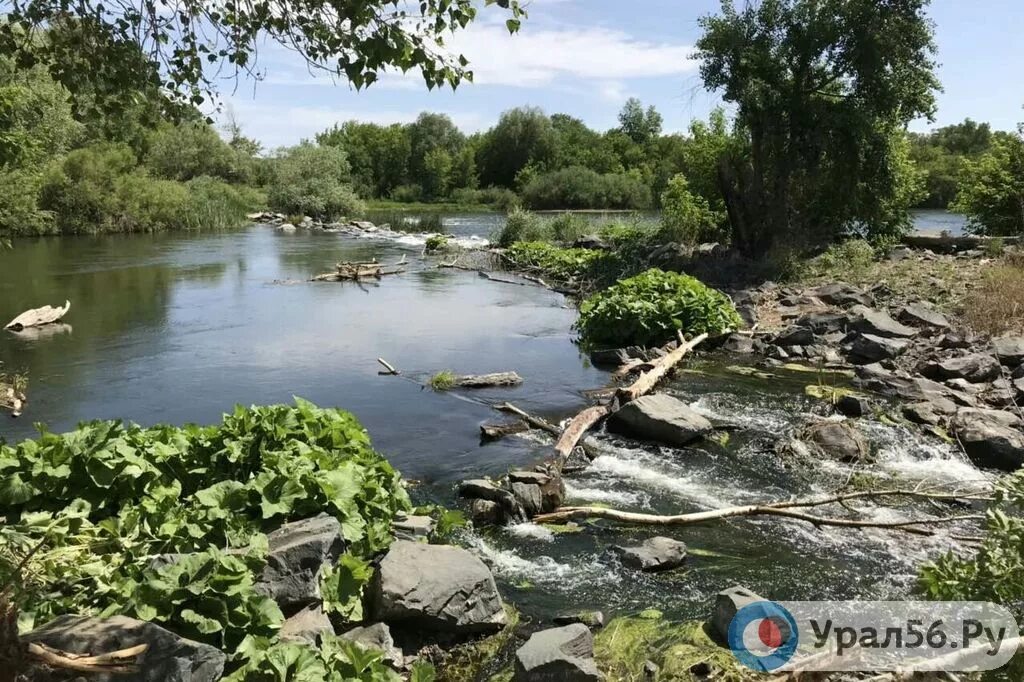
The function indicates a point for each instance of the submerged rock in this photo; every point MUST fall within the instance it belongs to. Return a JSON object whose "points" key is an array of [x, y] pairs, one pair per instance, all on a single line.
{"points": [[592, 619], [660, 418], [299, 551], [565, 654], [439, 587], [837, 440], [654, 554], [169, 658]]}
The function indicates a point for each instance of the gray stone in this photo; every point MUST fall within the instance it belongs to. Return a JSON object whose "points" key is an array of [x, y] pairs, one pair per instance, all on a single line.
{"points": [[727, 604], [1009, 350], [739, 343], [552, 487], [529, 497], [592, 619], [298, 553], [988, 440], [611, 357], [955, 340], [748, 313], [964, 386], [927, 413], [921, 315], [414, 527], [822, 323], [837, 440], [660, 418], [169, 657], [487, 513], [377, 637], [797, 336], [438, 587], [310, 624], [975, 368], [563, 654], [654, 554], [482, 489], [591, 241], [878, 323], [853, 406], [868, 348], [841, 294]]}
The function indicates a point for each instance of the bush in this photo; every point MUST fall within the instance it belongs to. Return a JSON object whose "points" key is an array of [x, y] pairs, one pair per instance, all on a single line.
{"points": [[851, 259], [407, 194], [313, 181], [569, 227], [582, 188], [437, 242], [216, 205], [80, 190], [650, 308], [992, 189], [192, 150], [521, 226], [686, 218], [500, 198], [146, 204], [19, 210]]}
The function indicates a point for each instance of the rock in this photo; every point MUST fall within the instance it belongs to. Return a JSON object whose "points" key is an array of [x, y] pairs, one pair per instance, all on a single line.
{"points": [[414, 527], [610, 357], [975, 368], [841, 294], [853, 406], [1000, 417], [655, 554], [482, 489], [437, 587], [900, 253], [377, 637], [1009, 350], [592, 619], [298, 553], [307, 625], [528, 496], [868, 348], [837, 440], [661, 418], [487, 513], [964, 386], [727, 604], [954, 340], [920, 315], [364, 225], [739, 343], [988, 440], [878, 323], [822, 323], [169, 657], [592, 242], [797, 336], [931, 413], [748, 313], [552, 487], [563, 654]]}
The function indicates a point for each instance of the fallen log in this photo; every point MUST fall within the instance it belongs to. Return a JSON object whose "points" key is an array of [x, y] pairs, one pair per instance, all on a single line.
{"points": [[38, 317], [579, 425], [648, 380], [488, 380], [535, 422]]}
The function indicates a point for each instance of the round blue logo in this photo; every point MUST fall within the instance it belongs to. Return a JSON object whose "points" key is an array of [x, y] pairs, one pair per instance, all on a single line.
{"points": [[763, 636]]}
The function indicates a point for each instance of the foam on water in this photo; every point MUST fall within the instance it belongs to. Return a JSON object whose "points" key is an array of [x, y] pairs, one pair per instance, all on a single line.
{"points": [[420, 238], [532, 531], [510, 565], [622, 498]]}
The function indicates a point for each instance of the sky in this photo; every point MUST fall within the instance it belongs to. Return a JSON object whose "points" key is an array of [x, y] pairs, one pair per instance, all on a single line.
{"points": [[586, 57]]}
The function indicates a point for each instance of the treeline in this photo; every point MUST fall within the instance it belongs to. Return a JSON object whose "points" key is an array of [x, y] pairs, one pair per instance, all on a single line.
{"points": [[69, 167], [528, 157]]}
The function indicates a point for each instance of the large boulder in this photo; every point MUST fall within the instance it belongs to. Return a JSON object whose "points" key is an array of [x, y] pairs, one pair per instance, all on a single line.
{"points": [[868, 348], [794, 336], [654, 554], [727, 604], [837, 440], [660, 418], [482, 489], [437, 587], [169, 658], [299, 551], [879, 323], [1009, 350], [975, 368], [823, 323], [552, 487], [921, 315], [989, 440], [563, 654]]}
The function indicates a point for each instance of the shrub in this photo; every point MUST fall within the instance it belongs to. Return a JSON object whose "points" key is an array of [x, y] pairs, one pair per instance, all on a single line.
{"points": [[192, 150], [146, 204], [436, 242], [313, 181], [991, 189], [686, 217], [521, 226], [569, 227], [650, 308], [80, 190], [849, 259], [407, 194], [580, 188], [216, 205], [443, 380], [19, 210], [500, 198], [562, 264]]}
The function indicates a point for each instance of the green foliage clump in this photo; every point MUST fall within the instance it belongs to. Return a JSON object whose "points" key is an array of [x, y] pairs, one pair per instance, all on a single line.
{"points": [[102, 501], [850, 259], [650, 308], [686, 218], [443, 380], [500, 198], [577, 188], [191, 150], [313, 181], [19, 204], [991, 190], [437, 242], [568, 227], [336, 660], [562, 264], [521, 226]]}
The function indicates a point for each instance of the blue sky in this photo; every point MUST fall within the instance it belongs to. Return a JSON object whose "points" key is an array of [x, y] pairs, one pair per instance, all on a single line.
{"points": [[586, 57]]}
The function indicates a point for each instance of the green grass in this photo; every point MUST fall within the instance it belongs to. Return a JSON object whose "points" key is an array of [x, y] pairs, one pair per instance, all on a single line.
{"points": [[450, 206], [443, 380]]}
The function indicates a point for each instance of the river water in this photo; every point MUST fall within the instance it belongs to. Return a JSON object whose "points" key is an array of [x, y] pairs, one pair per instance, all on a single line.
{"points": [[178, 328]]}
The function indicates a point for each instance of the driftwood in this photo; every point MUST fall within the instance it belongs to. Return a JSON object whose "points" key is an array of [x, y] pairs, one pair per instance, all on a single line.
{"points": [[490, 432], [488, 380], [116, 662], [579, 425], [648, 380], [38, 317], [388, 368], [359, 271], [535, 422]]}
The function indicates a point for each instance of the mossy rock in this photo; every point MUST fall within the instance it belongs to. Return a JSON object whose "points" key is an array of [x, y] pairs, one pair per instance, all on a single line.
{"points": [[682, 650], [467, 661]]}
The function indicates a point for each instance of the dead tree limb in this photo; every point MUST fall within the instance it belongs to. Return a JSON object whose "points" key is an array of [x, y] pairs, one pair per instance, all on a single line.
{"points": [[388, 368], [488, 380], [38, 317], [535, 422], [116, 662], [579, 425], [648, 380]]}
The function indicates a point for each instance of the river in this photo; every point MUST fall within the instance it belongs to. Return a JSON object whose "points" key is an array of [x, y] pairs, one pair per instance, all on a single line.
{"points": [[178, 328]]}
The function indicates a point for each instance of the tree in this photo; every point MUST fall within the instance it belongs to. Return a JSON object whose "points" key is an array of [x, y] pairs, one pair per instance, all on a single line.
{"points": [[437, 173], [686, 217], [523, 136], [824, 90], [578, 145], [941, 153], [196, 43], [313, 181], [639, 125], [992, 189], [379, 155], [429, 133]]}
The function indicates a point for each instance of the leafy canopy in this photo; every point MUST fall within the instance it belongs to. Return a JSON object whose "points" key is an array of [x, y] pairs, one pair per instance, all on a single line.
{"points": [[991, 190]]}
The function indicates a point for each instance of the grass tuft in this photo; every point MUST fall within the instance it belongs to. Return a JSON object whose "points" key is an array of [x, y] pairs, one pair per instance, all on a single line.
{"points": [[443, 380]]}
